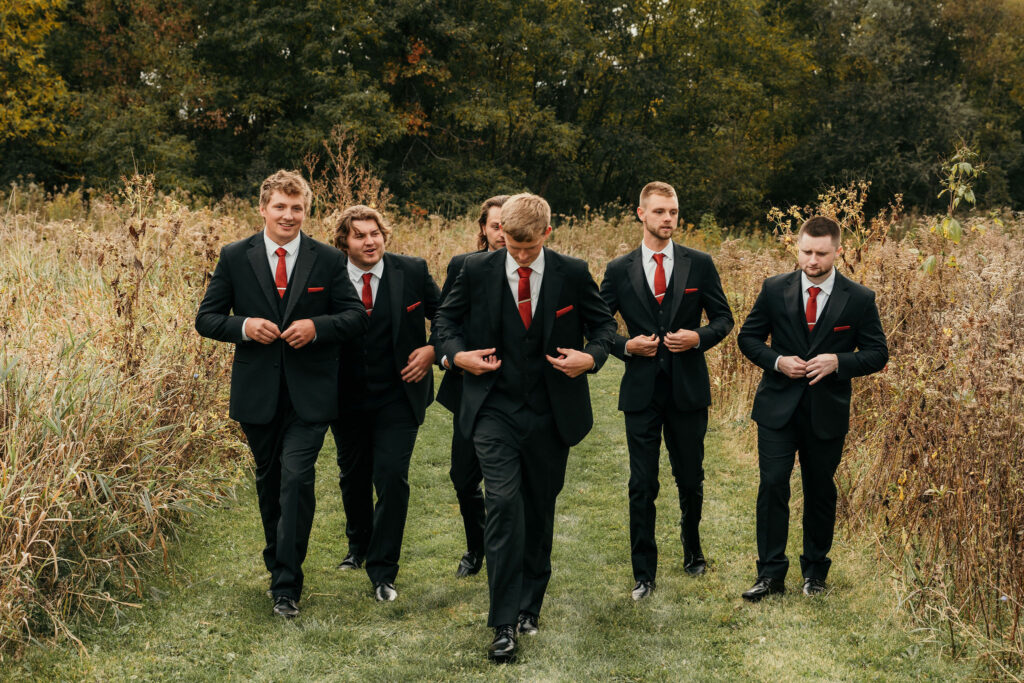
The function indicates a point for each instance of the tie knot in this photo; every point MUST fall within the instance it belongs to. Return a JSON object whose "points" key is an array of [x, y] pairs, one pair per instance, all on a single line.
{"points": [[280, 251], [813, 291], [524, 272], [658, 257], [366, 277]]}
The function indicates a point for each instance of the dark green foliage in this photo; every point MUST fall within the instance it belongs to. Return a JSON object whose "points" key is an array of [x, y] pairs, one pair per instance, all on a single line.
{"points": [[739, 103]]}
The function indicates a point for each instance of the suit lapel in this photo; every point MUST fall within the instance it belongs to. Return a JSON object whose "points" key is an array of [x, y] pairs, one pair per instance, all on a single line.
{"points": [[495, 279], [550, 288], [680, 271], [396, 280], [635, 270], [795, 307], [261, 269], [304, 261], [833, 308]]}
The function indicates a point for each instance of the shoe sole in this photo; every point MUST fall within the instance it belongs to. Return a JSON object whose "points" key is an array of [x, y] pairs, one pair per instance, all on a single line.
{"points": [[502, 659], [761, 597]]}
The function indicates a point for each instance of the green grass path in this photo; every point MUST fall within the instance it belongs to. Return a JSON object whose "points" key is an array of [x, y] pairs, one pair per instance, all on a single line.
{"points": [[211, 620]]}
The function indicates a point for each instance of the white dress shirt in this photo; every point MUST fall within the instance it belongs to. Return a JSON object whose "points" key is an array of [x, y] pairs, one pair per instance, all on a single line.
{"points": [[292, 253], [355, 274], [535, 278], [823, 295], [650, 265]]}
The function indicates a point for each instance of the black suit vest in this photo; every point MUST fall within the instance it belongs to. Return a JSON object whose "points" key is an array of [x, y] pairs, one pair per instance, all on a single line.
{"points": [[520, 379]]}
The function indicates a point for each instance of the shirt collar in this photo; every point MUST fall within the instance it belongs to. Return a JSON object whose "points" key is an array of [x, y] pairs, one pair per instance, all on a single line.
{"points": [[355, 272], [537, 266], [825, 286], [649, 253], [272, 246]]}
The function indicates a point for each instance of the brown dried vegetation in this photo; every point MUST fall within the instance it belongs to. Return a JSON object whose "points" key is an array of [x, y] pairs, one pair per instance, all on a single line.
{"points": [[113, 419]]}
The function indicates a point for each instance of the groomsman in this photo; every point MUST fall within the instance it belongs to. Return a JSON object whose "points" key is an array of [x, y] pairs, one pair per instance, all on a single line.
{"points": [[824, 330], [283, 300], [465, 468], [515, 322], [386, 382], [661, 289]]}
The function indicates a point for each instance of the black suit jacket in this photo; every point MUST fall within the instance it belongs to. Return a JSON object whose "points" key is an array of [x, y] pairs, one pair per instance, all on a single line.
{"points": [[414, 298], [449, 394], [848, 326], [243, 287], [570, 308], [695, 288]]}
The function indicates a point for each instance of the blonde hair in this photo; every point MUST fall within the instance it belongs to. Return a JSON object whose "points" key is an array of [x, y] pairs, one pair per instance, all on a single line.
{"points": [[290, 183], [525, 217], [656, 187], [358, 212]]}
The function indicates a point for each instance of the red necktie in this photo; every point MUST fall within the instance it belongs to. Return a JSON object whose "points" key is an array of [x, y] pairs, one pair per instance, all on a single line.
{"points": [[659, 279], [812, 307], [367, 293], [523, 301], [281, 274]]}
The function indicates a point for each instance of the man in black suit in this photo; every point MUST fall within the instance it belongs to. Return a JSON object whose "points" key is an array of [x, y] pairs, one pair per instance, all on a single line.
{"points": [[515, 322], [284, 385], [825, 330], [661, 289], [386, 382], [465, 468]]}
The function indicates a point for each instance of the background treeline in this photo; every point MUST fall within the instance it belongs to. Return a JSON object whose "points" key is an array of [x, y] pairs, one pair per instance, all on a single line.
{"points": [[741, 104]]}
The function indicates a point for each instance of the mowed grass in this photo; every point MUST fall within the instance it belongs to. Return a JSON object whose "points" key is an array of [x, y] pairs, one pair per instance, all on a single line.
{"points": [[211, 620]]}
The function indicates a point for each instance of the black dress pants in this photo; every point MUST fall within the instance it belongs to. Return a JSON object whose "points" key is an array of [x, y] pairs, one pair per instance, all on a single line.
{"points": [[819, 459], [285, 451], [374, 450], [684, 432], [466, 477], [523, 463]]}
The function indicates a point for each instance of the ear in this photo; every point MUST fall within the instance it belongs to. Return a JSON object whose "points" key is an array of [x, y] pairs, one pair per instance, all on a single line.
{"points": [[640, 213], [547, 231]]}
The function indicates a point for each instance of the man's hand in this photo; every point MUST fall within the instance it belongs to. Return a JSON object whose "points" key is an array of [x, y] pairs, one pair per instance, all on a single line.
{"points": [[572, 362], [822, 365], [792, 367], [261, 330], [419, 364], [477, 362], [681, 340], [299, 333], [643, 345]]}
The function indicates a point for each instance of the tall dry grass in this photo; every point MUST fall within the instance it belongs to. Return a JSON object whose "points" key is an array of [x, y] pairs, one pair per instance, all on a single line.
{"points": [[113, 421]]}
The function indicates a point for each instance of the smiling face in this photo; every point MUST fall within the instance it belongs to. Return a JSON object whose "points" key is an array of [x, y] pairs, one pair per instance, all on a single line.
{"points": [[816, 256], [660, 216], [283, 215], [364, 243]]}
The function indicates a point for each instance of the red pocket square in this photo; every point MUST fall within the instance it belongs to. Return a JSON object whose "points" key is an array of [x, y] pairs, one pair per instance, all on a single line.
{"points": [[841, 328], [562, 311], [412, 307], [691, 290], [314, 289]]}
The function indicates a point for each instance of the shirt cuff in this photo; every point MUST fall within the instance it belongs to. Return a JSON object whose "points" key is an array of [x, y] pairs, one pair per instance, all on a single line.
{"points": [[244, 336], [776, 366]]}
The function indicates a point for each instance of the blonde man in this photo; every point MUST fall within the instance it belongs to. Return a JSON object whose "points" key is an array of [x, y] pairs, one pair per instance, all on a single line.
{"points": [[283, 300], [662, 289], [515, 323]]}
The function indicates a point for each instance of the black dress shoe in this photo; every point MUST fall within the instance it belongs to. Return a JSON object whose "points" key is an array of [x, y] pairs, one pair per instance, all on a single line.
{"points": [[384, 592], [503, 647], [763, 587], [641, 590], [285, 607], [351, 561], [814, 587], [527, 624], [469, 564], [696, 565]]}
